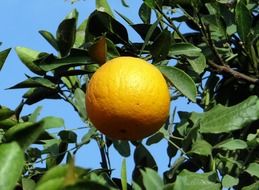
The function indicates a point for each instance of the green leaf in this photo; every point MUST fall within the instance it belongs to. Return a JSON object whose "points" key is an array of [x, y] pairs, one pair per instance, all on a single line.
{"points": [[229, 181], [196, 181], [124, 3], [124, 175], [243, 20], [108, 26], [147, 31], [157, 137], [150, 3], [34, 82], [28, 184], [180, 80], [28, 56], [223, 119], [145, 13], [3, 56], [102, 5], [198, 63], [87, 137], [151, 179], [35, 95], [122, 147], [253, 186], [160, 48], [33, 117], [65, 35], [68, 136], [201, 147], [50, 38], [184, 49], [71, 61], [79, 102], [232, 144], [24, 133], [149, 34], [80, 34], [5, 113], [253, 169], [52, 122], [11, 165]]}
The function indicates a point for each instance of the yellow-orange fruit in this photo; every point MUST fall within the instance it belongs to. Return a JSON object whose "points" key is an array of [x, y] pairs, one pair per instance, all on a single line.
{"points": [[127, 98]]}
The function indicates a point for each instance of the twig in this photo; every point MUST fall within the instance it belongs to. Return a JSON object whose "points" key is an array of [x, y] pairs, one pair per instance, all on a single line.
{"points": [[171, 24], [236, 74]]}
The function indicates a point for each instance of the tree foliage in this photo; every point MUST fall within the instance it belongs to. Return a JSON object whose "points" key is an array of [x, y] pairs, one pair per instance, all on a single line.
{"points": [[213, 63]]}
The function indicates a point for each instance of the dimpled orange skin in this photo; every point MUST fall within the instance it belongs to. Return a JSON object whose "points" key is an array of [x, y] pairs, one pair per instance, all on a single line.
{"points": [[127, 99]]}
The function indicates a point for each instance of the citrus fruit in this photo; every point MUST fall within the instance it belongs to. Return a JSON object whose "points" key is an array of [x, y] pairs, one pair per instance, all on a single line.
{"points": [[127, 98]]}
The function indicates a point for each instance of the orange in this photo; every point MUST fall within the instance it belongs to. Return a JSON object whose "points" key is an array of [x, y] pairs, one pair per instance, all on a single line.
{"points": [[127, 98]]}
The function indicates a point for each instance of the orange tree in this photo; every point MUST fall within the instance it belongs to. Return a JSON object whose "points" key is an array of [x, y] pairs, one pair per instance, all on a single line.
{"points": [[215, 65]]}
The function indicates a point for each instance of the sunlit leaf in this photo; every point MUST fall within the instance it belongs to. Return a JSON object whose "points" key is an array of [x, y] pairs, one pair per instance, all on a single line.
{"points": [[3, 56], [180, 80], [196, 181], [28, 56], [151, 180], [11, 165], [50, 38], [225, 119], [229, 181], [232, 144], [187, 49], [253, 169]]}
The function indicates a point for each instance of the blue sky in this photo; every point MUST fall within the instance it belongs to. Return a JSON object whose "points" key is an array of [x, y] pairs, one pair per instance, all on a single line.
{"points": [[20, 23]]}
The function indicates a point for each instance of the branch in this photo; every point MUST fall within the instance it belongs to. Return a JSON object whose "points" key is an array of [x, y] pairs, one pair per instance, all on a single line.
{"points": [[236, 74]]}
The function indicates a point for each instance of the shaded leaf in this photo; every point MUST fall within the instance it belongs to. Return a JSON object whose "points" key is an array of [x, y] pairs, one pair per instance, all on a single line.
{"points": [[35, 95], [65, 35], [243, 20], [68, 136], [222, 119], [34, 82], [3, 56], [101, 23], [50, 38], [147, 31], [53, 63], [5, 113], [145, 13], [160, 48], [28, 184], [122, 147], [11, 165], [253, 186], [180, 80]]}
